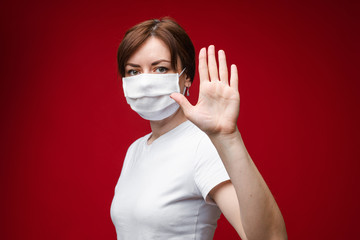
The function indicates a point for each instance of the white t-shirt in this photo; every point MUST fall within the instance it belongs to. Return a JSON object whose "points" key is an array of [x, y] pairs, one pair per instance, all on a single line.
{"points": [[162, 192]]}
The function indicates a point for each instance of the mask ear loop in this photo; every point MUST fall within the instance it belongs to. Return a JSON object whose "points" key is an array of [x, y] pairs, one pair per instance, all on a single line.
{"points": [[182, 72]]}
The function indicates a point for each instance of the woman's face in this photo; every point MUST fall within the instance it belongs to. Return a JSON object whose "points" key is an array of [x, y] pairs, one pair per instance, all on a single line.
{"points": [[153, 56]]}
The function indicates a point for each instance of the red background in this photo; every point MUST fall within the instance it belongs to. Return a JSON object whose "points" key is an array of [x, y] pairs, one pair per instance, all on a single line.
{"points": [[65, 125]]}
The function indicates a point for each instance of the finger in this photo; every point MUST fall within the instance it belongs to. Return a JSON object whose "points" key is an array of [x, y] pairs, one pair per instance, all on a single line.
{"points": [[234, 79], [203, 68], [183, 102], [223, 71], [213, 71]]}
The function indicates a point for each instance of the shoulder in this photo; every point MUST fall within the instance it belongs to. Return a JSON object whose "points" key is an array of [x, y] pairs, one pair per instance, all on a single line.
{"points": [[194, 138], [193, 132], [138, 142], [134, 148], [203, 148]]}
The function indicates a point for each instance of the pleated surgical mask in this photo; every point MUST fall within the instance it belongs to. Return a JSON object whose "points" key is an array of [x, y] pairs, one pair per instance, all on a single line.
{"points": [[149, 94]]}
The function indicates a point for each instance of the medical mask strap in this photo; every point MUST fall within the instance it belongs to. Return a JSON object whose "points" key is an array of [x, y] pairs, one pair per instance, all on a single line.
{"points": [[182, 72]]}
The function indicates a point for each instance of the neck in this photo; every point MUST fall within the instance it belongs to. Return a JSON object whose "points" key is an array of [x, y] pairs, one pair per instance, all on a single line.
{"points": [[161, 127]]}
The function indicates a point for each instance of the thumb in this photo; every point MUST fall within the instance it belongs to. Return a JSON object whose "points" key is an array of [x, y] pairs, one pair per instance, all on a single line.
{"points": [[183, 102]]}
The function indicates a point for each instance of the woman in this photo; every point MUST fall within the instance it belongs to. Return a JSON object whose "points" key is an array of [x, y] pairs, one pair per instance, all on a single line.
{"points": [[193, 166]]}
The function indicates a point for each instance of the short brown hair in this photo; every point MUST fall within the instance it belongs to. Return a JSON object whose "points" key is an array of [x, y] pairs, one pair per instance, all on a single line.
{"points": [[167, 30]]}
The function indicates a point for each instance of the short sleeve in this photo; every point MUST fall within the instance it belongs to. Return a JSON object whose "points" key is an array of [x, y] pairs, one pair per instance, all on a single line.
{"points": [[209, 168]]}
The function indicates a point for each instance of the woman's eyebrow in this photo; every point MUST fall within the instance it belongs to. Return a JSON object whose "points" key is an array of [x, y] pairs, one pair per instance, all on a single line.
{"points": [[152, 64], [132, 65], [159, 61]]}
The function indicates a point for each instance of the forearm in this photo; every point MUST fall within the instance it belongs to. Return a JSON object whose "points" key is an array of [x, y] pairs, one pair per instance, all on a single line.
{"points": [[260, 215]]}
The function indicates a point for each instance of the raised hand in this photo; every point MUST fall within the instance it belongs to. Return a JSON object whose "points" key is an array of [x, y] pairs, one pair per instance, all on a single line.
{"points": [[217, 109]]}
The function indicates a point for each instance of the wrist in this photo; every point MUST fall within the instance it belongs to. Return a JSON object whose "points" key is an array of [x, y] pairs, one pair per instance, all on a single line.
{"points": [[227, 138], [230, 146]]}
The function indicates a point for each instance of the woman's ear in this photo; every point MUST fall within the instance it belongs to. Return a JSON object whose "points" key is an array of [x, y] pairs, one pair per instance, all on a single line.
{"points": [[187, 81]]}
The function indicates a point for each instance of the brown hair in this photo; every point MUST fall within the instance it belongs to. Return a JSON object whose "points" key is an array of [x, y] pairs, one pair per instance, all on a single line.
{"points": [[167, 30]]}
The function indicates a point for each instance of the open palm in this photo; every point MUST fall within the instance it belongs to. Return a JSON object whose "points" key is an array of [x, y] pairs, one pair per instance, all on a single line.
{"points": [[217, 109]]}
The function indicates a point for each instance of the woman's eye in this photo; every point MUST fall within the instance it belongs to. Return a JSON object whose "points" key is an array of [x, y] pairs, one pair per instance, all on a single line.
{"points": [[132, 72], [161, 70]]}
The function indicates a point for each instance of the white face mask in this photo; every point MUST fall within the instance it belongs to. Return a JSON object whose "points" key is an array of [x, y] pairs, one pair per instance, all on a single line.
{"points": [[149, 94]]}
